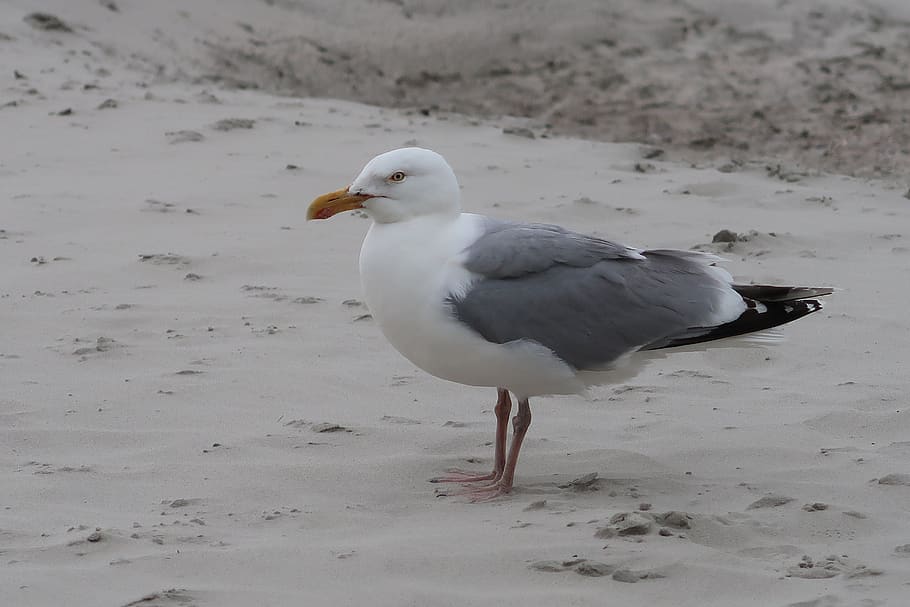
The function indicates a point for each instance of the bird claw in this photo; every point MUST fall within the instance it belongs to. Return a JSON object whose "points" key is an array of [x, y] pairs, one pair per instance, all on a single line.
{"points": [[463, 476], [476, 494], [486, 493]]}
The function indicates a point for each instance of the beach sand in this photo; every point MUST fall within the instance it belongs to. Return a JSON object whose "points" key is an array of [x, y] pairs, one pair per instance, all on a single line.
{"points": [[197, 409]]}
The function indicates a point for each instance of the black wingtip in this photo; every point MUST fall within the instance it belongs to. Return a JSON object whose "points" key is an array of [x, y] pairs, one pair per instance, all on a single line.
{"points": [[767, 306], [770, 293]]}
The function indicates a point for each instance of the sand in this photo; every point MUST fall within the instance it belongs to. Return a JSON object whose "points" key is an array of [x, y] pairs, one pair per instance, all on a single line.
{"points": [[196, 408], [823, 84]]}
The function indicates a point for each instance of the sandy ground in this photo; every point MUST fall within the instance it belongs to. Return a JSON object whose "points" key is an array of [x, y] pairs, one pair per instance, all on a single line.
{"points": [[195, 409], [820, 83]]}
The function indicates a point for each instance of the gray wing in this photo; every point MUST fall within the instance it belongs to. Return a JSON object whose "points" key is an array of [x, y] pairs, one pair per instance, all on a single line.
{"points": [[512, 250], [588, 300]]}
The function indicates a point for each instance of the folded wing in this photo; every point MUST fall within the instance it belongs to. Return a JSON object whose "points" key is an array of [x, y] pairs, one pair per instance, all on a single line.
{"points": [[591, 301]]}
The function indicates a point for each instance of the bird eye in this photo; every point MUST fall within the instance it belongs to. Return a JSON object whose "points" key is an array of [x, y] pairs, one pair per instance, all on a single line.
{"points": [[397, 177]]}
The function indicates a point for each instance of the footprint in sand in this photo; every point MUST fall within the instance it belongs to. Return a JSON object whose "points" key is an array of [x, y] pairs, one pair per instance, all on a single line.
{"points": [[319, 428], [394, 419], [830, 566], [401, 380], [99, 346], [165, 598], [264, 292], [184, 136], [770, 501], [181, 502], [589, 568], [231, 124], [895, 479], [164, 259], [275, 294], [47, 22], [307, 300], [158, 206]]}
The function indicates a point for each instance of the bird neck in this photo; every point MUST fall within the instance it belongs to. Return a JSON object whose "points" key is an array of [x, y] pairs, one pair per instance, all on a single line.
{"points": [[388, 215]]}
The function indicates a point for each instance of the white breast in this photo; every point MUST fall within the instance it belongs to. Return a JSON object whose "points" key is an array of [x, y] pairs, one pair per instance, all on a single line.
{"points": [[408, 269]]}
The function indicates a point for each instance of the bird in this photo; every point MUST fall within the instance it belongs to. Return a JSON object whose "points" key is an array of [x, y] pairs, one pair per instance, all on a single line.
{"points": [[530, 309]]}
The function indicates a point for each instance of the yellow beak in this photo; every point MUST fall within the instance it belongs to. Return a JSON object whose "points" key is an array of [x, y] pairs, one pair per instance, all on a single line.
{"points": [[332, 203]]}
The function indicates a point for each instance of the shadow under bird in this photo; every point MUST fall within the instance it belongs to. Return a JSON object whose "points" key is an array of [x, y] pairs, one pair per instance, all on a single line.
{"points": [[531, 309]]}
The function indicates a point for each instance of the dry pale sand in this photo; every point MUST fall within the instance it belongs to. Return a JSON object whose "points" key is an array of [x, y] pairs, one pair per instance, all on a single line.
{"points": [[823, 83], [196, 410]]}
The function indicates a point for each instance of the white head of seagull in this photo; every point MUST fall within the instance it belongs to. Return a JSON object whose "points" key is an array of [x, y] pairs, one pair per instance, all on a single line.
{"points": [[396, 186]]}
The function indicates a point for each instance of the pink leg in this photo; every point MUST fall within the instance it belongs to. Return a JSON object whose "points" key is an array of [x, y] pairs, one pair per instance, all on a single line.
{"points": [[502, 409], [520, 424]]}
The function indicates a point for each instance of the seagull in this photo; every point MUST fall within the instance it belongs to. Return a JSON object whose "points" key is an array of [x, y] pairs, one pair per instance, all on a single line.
{"points": [[530, 309]]}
